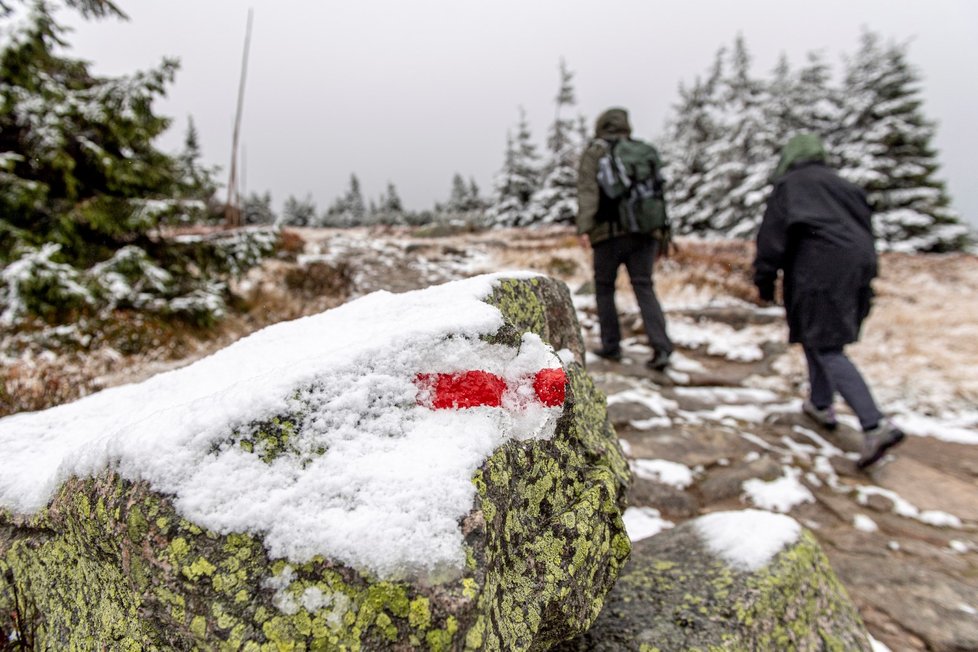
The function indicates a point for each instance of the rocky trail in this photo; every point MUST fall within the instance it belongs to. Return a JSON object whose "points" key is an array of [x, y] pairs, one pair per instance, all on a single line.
{"points": [[722, 427]]}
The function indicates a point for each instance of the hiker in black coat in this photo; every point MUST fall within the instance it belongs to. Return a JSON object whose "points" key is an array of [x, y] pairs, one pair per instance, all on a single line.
{"points": [[817, 229]]}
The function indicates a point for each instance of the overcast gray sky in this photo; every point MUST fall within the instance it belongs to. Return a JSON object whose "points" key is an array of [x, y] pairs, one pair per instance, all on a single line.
{"points": [[414, 91]]}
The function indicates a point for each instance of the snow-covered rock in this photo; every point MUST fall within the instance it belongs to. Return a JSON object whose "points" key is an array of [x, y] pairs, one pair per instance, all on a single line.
{"points": [[747, 580], [296, 489]]}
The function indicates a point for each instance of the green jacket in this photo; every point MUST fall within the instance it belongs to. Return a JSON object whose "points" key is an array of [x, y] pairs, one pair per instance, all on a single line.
{"points": [[610, 126]]}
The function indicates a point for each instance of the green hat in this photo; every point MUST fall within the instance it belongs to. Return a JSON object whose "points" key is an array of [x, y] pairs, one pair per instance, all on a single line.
{"points": [[800, 149]]}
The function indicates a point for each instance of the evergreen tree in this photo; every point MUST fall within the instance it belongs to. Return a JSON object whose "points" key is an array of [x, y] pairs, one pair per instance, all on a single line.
{"points": [[84, 188], [349, 209], [691, 133], [198, 180], [886, 147], [257, 209], [458, 199], [737, 181], [556, 199], [475, 197], [87, 8], [76, 151], [388, 208], [298, 212], [817, 104], [392, 201], [517, 180]]}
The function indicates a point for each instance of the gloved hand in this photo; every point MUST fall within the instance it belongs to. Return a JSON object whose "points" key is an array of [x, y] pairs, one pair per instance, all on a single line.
{"points": [[765, 291]]}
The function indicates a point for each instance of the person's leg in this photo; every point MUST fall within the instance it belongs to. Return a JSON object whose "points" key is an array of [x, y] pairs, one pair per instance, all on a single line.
{"points": [[850, 384], [822, 393], [606, 264], [639, 261]]}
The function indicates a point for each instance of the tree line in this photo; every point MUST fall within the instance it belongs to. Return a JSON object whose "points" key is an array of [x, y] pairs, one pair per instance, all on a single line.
{"points": [[87, 198]]}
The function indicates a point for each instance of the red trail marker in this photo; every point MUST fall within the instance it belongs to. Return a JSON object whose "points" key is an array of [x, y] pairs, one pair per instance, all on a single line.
{"points": [[466, 389]]}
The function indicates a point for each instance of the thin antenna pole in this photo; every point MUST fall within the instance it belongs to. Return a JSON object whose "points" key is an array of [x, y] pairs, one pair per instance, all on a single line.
{"points": [[232, 211]]}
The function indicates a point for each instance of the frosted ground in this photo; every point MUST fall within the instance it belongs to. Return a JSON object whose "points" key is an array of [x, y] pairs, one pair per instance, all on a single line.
{"points": [[722, 430]]}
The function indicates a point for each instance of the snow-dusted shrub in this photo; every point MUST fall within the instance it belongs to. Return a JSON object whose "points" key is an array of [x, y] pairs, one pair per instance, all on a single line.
{"points": [[203, 305], [37, 284], [130, 278], [231, 252]]}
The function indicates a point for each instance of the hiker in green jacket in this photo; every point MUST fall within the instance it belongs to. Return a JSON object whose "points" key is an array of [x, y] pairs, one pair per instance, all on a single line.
{"points": [[622, 227]]}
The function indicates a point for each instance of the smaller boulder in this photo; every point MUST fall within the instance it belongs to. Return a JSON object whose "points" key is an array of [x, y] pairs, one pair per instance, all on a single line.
{"points": [[747, 580]]}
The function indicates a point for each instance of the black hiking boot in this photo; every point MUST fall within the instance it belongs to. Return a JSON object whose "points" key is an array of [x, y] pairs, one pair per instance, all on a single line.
{"points": [[659, 361], [608, 354]]}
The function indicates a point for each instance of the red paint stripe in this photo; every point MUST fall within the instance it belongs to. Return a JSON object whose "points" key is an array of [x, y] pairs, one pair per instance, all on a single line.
{"points": [[466, 389]]}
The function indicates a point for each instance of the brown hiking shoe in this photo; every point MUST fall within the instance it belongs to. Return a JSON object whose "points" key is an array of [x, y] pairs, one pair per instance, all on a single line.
{"points": [[879, 440]]}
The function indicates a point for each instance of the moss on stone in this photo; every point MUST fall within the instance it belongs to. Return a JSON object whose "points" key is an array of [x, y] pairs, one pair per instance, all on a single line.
{"points": [[111, 561], [675, 595]]}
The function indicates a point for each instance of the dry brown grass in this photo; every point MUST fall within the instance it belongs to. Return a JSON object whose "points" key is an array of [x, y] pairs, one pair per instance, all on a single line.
{"points": [[920, 342], [720, 267]]}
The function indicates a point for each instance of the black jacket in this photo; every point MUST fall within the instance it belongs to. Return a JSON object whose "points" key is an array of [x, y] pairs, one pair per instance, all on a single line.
{"points": [[817, 228]]}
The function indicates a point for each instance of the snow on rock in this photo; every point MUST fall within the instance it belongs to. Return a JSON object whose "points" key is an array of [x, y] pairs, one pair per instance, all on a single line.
{"points": [[388, 463], [644, 522], [747, 539], [748, 580], [297, 488]]}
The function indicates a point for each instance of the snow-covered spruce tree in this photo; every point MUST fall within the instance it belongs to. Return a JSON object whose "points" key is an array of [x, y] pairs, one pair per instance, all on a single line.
{"points": [[298, 212], [885, 146], [82, 185], [721, 181], [555, 201], [197, 179], [349, 209], [458, 198], [464, 196], [257, 209], [518, 179], [690, 133], [389, 209]]}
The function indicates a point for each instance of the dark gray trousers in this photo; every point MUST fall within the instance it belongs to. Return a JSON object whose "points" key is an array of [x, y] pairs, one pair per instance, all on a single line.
{"points": [[830, 371], [637, 253]]}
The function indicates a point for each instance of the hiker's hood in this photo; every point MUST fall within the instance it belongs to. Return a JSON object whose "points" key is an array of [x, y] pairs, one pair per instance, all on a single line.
{"points": [[802, 148], [613, 123]]}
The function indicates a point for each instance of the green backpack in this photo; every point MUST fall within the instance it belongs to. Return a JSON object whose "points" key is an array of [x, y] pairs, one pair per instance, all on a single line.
{"points": [[629, 172]]}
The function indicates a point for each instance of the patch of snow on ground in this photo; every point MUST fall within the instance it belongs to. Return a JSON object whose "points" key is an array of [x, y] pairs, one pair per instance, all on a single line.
{"points": [[722, 413], [877, 646], [956, 429], [961, 547], [721, 340], [864, 524], [651, 423], [649, 398], [390, 466], [644, 522], [903, 507], [747, 539], [683, 363], [671, 473], [825, 448], [779, 495], [728, 395]]}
